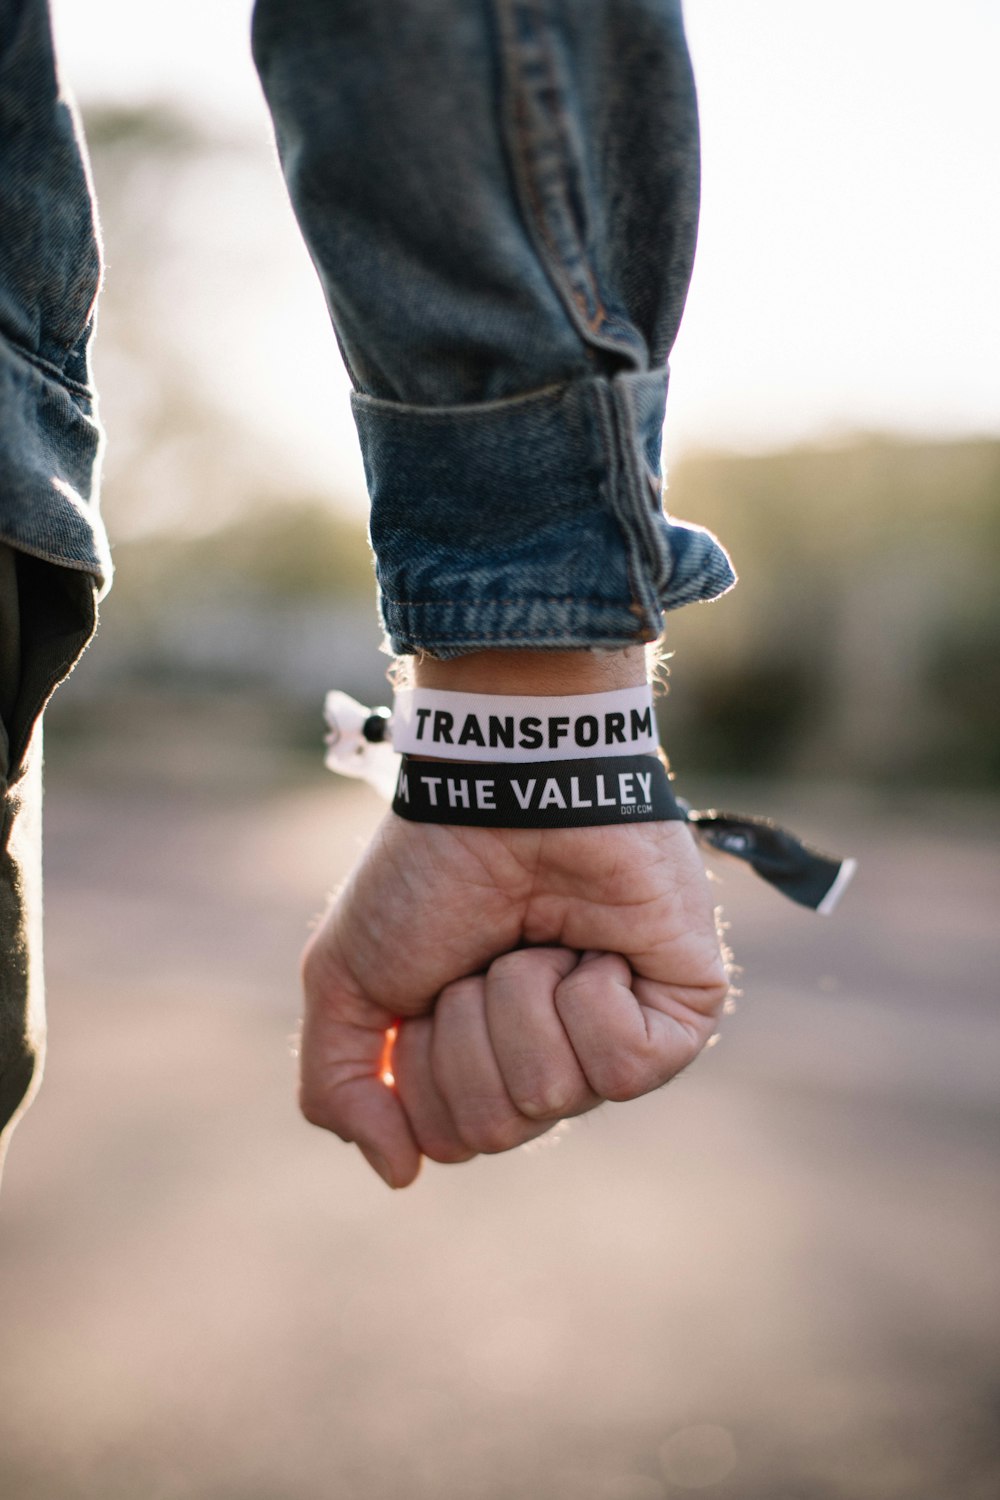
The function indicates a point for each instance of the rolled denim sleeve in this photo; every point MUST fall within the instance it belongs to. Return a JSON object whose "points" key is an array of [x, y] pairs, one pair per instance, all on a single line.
{"points": [[501, 200]]}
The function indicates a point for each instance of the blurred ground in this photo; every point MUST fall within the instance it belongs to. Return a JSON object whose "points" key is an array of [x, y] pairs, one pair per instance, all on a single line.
{"points": [[776, 1280]]}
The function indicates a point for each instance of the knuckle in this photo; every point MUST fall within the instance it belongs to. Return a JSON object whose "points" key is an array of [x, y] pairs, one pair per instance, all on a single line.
{"points": [[545, 1099], [627, 1076], [508, 964], [489, 1130], [510, 967]]}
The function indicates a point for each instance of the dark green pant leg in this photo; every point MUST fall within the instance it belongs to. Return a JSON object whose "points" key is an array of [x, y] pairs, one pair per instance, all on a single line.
{"points": [[22, 985], [47, 615]]}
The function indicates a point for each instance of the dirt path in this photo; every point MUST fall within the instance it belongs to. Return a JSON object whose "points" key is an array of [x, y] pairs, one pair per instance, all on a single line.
{"points": [[776, 1280]]}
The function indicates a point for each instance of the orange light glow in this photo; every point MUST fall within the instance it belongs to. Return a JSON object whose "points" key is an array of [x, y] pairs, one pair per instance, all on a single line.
{"points": [[385, 1061]]}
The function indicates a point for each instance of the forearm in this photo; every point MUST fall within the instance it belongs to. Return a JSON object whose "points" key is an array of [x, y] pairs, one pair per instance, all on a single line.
{"points": [[541, 673]]}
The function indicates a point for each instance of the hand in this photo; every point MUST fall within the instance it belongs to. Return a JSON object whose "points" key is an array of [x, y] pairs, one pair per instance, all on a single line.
{"points": [[508, 1039]]}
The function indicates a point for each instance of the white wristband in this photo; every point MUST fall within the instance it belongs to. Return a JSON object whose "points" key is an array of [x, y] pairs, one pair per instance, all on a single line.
{"points": [[493, 727]]}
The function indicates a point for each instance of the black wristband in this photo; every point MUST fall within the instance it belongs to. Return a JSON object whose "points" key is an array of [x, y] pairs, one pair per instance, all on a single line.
{"points": [[542, 794]]}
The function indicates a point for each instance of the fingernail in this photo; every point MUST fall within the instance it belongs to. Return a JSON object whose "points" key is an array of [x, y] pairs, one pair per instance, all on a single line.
{"points": [[378, 1163]]}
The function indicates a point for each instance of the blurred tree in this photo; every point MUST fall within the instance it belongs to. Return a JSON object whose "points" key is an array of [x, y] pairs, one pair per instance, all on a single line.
{"points": [[865, 568], [186, 253]]}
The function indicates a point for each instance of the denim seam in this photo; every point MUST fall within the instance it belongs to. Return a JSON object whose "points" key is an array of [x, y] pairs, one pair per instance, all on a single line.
{"points": [[585, 292], [75, 565], [572, 288], [476, 637], [45, 367], [477, 408], [477, 602], [641, 513], [644, 601]]}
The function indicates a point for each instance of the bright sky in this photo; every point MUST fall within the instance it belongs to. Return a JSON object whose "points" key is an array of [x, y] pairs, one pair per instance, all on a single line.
{"points": [[849, 258]]}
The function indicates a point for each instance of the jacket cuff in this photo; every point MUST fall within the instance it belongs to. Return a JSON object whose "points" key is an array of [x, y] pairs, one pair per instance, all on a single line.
{"points": [[49, 466], [533, 522]]}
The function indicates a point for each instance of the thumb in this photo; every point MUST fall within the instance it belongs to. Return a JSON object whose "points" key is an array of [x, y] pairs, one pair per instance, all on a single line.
{"points": [[341, 1066]]}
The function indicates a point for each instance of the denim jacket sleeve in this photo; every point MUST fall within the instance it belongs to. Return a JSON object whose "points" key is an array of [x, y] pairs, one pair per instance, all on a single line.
{"points": [[501, 199], [49, 275]]}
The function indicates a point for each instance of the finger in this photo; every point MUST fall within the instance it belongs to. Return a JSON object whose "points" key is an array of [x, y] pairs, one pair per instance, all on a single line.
{"points": [[467, 1073], [343, 1038], [624, 1048], [536, 1061], [426, 1108]]}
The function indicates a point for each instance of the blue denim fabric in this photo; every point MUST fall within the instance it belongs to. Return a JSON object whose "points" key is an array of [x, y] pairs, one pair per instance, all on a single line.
{"points": [[49, 275], [501, 199]]}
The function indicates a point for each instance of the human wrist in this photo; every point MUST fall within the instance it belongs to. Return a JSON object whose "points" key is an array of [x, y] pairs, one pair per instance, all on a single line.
{"points": [[541, 673]]}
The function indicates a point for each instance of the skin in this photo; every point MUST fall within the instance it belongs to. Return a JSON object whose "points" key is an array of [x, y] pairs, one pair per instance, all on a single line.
{"points": [[532, 973]]}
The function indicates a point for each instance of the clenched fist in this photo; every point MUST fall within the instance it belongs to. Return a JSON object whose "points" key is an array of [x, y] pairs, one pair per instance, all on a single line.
{"points": [[532, 974]]}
